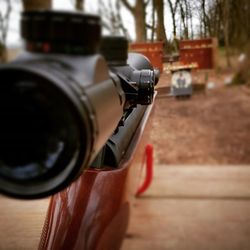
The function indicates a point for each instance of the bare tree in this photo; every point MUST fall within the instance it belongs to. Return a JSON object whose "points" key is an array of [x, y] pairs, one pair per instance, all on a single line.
{"points": [[152, 27], [205, 19], [173, 5], [237, 23], [138, 11], [183, 15], [190, 7], [215, 16], [188, 15], [160, 28], [151, 23], [4, 27], [173, 9], [110, 13], [225, 19]]}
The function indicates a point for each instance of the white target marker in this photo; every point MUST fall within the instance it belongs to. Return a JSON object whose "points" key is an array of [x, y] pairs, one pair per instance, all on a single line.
{"points": [[181, 79]]}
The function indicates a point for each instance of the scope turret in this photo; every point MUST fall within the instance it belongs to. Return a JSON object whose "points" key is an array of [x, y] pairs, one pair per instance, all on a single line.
{"points": [[61, 32]]}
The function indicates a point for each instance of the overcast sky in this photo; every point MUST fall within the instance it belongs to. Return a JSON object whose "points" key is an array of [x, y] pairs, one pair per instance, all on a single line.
{"points": [[91, 7]]}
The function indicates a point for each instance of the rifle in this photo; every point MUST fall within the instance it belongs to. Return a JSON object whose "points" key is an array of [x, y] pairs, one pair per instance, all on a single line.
{"points": [[73, 108]]}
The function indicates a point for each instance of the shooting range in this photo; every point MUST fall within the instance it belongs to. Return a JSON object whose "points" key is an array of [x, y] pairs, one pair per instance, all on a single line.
{"points": [[125, 125]]}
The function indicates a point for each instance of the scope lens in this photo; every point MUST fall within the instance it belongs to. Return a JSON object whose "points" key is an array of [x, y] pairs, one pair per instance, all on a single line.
{"points": [[39, 135]]}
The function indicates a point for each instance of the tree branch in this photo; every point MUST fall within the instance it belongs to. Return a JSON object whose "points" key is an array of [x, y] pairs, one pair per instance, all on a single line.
{"points": [[128, 6], [147, 3], [176, 5], [119, 20], [151, 27]]}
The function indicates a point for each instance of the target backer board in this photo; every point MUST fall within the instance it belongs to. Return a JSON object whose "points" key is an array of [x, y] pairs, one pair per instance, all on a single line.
{"points": [[181, 83]]}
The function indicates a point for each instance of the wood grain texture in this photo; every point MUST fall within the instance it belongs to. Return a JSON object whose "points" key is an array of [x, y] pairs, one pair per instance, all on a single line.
{"points": [[193, 207], [187, 207], [21, 223]]}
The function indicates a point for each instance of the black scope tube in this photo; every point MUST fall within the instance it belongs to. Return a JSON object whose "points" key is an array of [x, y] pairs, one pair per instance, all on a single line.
{"points": [[52, 123], [60, 102]]}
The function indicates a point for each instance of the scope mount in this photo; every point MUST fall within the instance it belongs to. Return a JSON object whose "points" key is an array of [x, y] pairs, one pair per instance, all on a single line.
{"points": [[61, 32]]}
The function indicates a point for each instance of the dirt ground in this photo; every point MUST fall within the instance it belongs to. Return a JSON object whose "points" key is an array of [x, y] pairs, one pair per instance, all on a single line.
{"points": [[199, 198], [213, 127]]}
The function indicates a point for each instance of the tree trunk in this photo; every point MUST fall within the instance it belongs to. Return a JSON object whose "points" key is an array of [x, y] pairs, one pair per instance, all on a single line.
{"points": [[226, 29], [160, 30], [140, 23], [36, 4], [153, 22], [183, 20], [203, 8], [173, 8], [79, 5], [187, 16], [191, 21], [139, 13], [205, 20], [3, 53]]}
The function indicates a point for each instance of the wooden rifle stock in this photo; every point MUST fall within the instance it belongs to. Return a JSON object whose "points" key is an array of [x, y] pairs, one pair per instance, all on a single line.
{"points": [[93, 212]]}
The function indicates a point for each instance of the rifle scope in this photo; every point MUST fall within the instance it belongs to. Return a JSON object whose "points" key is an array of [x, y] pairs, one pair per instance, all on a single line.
{"points": [[59, 103]]}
